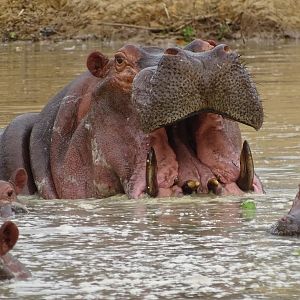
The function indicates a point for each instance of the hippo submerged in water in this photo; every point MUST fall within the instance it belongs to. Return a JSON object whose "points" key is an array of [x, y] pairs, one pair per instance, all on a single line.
{"points": [[9, 266], [9, 190], [148, 120], [289, 224]]}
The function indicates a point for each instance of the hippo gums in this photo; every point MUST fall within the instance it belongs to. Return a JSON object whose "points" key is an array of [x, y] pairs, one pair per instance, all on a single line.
{"points": [[149, 120], [9, 266], [289, 224]]}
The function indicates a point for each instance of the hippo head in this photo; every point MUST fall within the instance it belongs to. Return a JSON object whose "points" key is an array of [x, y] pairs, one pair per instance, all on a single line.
{"points": [[9, 191], [194, 96], [164, 122], [289, 224], [10, 267], [9, 235]]}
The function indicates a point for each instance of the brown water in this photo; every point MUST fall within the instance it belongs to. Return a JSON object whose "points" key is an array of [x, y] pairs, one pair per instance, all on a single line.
{"points": [[190, 247]]}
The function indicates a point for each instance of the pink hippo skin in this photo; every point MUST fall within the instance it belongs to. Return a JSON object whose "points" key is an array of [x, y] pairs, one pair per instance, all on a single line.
{"points": [[92, 138], [9, 266]]}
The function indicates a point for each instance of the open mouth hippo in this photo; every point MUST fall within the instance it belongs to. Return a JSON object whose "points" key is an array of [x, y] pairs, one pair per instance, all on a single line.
{"points": [[289, 224], [148, 120]]}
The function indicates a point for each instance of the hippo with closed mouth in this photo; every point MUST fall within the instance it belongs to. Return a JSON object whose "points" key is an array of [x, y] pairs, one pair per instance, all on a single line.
{"points": [[289, 224], [10, 267], [9, 203], [148, 120]]}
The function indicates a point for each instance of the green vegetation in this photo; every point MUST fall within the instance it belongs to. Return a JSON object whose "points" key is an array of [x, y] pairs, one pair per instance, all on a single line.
{"points": [[188, 33], [248, 209]]}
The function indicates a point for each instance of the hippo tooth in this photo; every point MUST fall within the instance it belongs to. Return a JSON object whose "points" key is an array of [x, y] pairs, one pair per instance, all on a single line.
{"points": [[151, 174], [190, 186], [245, 180], [214, 186]]}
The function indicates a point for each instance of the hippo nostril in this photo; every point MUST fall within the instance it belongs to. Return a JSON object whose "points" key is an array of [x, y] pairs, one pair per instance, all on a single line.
{"points": [[9, 193], [172, 51], [222, 49], [212, 43]]}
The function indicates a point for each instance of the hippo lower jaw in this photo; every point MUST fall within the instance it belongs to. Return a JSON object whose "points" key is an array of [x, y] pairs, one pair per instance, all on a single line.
{"points": [[197, 155]]}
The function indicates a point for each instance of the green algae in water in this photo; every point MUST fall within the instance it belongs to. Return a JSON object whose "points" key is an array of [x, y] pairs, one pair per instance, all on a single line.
{"points": [[248, 208], [296, 252]]}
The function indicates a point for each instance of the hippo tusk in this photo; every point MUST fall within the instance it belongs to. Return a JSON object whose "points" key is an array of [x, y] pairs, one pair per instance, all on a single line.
{"points": [[214, 186], [151, 174], [190, 186], [245, 180]]}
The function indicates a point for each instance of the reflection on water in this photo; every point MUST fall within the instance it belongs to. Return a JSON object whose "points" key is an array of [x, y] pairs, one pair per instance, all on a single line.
{"points": [[161, 249]]}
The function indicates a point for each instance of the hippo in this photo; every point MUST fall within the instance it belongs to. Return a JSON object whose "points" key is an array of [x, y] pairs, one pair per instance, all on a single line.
{"points": [[9, 190], [10, 267], [289, 224], [162, 122]]}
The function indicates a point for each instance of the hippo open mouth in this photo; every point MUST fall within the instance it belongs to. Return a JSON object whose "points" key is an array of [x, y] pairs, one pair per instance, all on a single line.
{"points": [[189, 104]]}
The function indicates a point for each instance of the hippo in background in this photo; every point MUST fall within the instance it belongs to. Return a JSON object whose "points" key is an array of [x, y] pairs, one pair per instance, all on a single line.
{"points": [[155, 121], [14, 149], [289, 224], [10, 267], [9, 190]]}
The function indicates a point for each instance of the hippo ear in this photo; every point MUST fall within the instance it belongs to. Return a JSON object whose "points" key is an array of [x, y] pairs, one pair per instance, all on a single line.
{"points": [[9, 234], [19, 179], [96, 62]]}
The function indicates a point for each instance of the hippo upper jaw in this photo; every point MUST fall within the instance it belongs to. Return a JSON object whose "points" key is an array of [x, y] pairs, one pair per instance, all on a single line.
{"points": [[185, 83]]}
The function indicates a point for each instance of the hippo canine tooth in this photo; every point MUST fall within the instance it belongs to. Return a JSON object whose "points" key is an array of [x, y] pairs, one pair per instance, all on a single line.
{"points": [[190, 186], [245, 180], [151, 174], [214, 186]]}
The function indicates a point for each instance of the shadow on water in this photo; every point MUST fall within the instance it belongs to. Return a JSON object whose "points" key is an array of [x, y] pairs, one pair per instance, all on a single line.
{"points": [[189, 247]]}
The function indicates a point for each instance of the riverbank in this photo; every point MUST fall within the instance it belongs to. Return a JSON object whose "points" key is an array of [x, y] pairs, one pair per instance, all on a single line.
{"points": [[149, 19]]}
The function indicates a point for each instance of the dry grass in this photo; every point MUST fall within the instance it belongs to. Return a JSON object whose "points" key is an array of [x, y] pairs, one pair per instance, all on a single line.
{"points": [[24, 19]]}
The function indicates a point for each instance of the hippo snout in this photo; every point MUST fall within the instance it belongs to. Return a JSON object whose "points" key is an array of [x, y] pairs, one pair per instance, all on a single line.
{"points": [[185, 83], [220, 51]]}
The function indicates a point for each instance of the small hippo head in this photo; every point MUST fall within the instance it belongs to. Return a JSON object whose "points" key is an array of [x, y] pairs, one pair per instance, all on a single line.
{"points": [[9, 235], [187, 82], [9, 191], [290, 223], [10, 267]]}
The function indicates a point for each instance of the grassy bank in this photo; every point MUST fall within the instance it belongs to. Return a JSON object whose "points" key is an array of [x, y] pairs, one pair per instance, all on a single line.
{"points": [[147, 19]]}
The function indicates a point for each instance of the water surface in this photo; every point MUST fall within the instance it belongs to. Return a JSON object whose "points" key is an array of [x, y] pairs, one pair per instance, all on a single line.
{"points": [[190, 247]]}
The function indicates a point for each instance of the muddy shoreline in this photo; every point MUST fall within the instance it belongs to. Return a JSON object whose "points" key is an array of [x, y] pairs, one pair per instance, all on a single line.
{"points": [[149, 20]]}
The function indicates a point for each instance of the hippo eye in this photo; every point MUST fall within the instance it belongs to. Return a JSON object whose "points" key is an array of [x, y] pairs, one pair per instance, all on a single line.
{"points": [[119, 59]]}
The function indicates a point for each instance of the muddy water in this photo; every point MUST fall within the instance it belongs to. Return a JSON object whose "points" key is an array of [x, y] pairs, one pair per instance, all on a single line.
{"points": [[191, 247]]}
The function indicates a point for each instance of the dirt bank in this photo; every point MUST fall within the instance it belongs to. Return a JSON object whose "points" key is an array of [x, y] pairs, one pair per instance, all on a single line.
{"points": [[148, 19]]}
